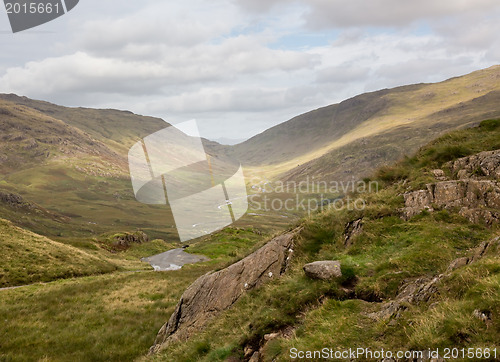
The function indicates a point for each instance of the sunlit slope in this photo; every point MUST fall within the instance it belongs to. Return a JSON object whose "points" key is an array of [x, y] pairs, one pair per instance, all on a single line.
{"points": [[392, 116], [81, 184], [117, 129], [28, 258], [73, 162]]}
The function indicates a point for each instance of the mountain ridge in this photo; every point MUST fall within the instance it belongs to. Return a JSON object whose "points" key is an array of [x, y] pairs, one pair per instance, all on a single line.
{"points": [[316, 133]]}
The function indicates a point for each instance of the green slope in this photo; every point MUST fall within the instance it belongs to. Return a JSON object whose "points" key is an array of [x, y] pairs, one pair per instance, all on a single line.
{"points": [[72, 163], [29, 258], [117, 129]]}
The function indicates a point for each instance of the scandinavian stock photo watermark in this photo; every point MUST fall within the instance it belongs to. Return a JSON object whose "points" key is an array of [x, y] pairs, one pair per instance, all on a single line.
{"points": [[309, 195], [367, 354], [171, 167]]}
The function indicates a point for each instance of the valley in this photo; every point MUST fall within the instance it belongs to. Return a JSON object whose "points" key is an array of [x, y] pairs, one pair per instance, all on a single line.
{"points": [[72, 234]]}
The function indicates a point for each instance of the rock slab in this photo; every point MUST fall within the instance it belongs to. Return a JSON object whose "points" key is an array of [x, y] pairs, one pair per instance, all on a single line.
{"points": [[215, 292]]}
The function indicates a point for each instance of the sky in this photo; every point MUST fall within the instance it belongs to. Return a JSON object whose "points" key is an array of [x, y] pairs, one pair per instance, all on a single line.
{"points": [[241, 66]]}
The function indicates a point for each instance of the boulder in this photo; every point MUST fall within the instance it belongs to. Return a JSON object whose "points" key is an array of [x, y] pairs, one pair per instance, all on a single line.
{"points": [[215, 292], [439, 175], [326, 269]]}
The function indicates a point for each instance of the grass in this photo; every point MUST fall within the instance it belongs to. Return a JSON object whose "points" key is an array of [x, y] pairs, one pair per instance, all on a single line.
{"points": [[101, 318], [30, 258], [111, 317], [485, 137]]}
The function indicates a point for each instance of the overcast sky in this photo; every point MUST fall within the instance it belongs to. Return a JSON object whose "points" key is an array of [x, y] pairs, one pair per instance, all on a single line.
{"points": [[241, 66]]}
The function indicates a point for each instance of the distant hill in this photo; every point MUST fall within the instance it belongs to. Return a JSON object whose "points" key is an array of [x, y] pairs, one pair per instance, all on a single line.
{"points": [[228, 141], [352, 138], [73, 162], [119, 130]]}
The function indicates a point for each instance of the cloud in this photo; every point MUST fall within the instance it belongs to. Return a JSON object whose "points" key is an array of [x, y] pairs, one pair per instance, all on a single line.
{"points": [[260, 5], [337, 13], [343, 73], [386, 13], [157, 24], [82, 72]]}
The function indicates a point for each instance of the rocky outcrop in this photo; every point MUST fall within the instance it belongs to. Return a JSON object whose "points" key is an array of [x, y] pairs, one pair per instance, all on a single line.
{"points": [[484, 164], [352, 229], [18, 202], [254, 352], [324, 270], [124, 240], [416, 202], [439, 175], [423, 289], [14, 200], [215, 292], [476, 197]]}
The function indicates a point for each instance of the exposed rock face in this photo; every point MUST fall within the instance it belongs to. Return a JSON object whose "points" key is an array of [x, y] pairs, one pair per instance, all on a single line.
{"points": [[251, 350], [439, 175], [14, 200], [417, 201], [326, 269], [484, 164], [352, 229], [126, 239], [477, 198], [214, 292], [423, 289]]}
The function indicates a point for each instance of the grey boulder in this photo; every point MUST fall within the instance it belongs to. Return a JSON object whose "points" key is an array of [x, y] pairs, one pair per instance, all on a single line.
{"points": [[326, 269]]}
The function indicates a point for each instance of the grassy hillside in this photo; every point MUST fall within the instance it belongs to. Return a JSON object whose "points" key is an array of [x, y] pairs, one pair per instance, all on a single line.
{"points": [[356, 136], [111, 317], [71, 165], [30, 258], [118, 129], [116, 316], [462, 310]]}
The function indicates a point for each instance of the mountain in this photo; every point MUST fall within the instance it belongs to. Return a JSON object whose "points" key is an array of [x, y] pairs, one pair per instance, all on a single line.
{"points": [[119, 130], [350, 139], [72, 162], [228, 141]]}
